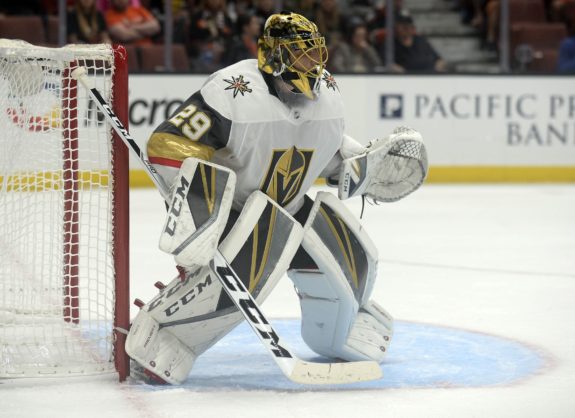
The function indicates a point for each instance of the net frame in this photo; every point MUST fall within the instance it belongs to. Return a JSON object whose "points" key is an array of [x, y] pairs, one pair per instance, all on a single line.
{"points": [[70, 181]]}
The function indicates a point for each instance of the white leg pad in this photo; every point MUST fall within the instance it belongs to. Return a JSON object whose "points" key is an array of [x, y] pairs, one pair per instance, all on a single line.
{"points": [[196, 313], [328, 308], [158, 350], [338, 318]]}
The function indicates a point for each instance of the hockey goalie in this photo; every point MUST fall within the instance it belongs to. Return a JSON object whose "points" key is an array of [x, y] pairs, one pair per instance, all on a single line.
{"points": [[240, 155]]}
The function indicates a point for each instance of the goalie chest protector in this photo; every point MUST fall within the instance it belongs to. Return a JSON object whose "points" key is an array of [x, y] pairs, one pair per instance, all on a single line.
{"points": [[278, 149]]}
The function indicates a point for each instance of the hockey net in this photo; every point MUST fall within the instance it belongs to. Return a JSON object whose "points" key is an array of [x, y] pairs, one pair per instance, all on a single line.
{"points": [[63, 213]]}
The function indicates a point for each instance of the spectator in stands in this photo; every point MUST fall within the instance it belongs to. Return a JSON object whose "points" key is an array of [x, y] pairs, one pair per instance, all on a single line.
{"points": [[414, 53], [357, 55], [51, 7], [563, 11], [104, 5], [211, 29], [330, 21], [482, 15], [237, 8], [86, 24], [362, 9], [377, 19], [492, 22], [181, 11], [566, 60], [131, 24], [22, 7], [306, 8], [245, 44], [264, 9], [557, 9], [377, 23], [472, 12]]}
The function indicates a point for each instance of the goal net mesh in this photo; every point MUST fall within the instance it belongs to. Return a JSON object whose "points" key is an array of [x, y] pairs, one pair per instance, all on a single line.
{"points": [[56, 245]]}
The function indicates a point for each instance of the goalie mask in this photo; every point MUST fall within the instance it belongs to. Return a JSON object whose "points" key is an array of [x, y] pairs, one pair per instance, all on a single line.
{"points": [[292, 48]]}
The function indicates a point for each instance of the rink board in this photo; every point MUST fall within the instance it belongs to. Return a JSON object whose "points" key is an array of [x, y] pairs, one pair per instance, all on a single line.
{"points": [[476, 128]]}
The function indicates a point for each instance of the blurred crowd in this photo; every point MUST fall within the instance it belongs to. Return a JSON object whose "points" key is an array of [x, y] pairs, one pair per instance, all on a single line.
{"points": [[538, 27], [216, 33]]}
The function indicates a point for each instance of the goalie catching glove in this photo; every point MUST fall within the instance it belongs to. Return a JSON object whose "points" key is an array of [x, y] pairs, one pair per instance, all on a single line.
{"points": [[388, 170]]}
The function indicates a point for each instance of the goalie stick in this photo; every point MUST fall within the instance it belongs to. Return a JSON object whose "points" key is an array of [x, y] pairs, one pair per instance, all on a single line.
{"points": [[294, 368]]}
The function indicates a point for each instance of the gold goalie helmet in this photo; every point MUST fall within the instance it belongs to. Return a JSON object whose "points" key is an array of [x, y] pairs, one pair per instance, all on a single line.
{"points": [[292, 47]]}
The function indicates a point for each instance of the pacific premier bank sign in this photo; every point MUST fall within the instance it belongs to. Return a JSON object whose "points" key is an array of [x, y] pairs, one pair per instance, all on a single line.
{"points": [[465, 120], [482, 120], [525, 123]]}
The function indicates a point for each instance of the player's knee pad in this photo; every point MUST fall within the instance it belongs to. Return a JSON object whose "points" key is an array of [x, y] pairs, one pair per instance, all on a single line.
{"points": [[201, 199], [197, 311], [338, 320]]}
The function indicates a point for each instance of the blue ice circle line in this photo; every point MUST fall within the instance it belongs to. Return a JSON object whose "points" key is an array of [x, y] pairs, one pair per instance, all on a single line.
{"points": [[420, 356]]}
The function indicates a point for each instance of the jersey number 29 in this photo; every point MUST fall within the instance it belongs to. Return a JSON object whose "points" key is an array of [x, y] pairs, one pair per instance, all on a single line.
{"points": [[191, 122]]}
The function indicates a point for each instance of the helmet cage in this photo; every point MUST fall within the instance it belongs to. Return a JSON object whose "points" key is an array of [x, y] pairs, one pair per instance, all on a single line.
{"points": [[306, 56]]}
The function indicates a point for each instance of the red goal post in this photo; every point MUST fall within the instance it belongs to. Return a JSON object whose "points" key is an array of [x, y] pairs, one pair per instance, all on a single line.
{"points": [[64, 225]]}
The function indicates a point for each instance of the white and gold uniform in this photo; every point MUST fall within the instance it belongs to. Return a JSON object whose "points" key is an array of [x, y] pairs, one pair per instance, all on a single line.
{"points": [[260, 132], [237, 120]]}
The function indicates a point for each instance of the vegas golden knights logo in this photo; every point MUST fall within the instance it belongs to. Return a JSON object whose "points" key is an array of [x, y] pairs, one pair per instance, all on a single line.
{"points": [[286, 173]]}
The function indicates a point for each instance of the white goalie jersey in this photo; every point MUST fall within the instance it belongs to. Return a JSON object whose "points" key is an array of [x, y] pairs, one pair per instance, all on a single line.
{"points": [[241, 154], [237, 120]]}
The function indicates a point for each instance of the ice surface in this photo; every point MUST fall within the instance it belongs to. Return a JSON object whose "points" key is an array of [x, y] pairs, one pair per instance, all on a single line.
{"points": [[481, 280]]}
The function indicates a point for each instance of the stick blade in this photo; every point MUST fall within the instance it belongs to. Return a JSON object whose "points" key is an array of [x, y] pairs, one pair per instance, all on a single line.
{"points": [[335, 373]]}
